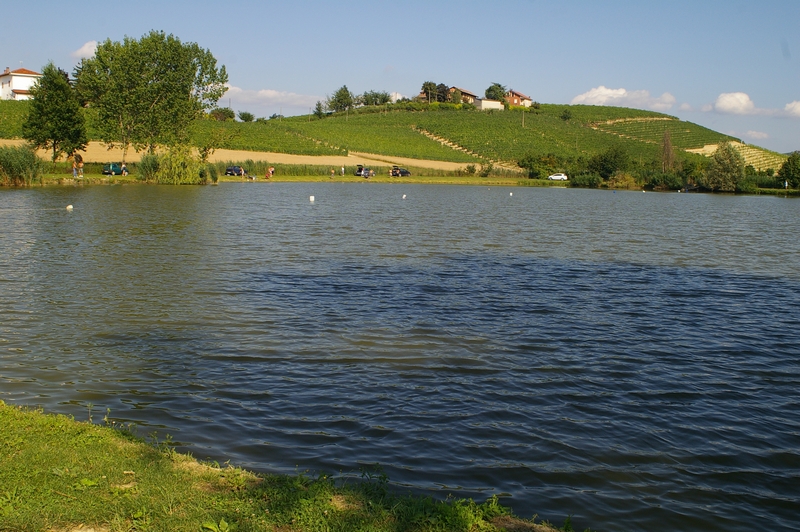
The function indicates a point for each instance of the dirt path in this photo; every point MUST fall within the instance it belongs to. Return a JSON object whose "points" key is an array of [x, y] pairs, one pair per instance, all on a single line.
{"points": [[97, 152]]}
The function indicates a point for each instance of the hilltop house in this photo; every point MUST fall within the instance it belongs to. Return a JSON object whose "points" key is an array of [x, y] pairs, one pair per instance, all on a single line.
{"points": [[16, 84], [466, 96], [517, 98]]}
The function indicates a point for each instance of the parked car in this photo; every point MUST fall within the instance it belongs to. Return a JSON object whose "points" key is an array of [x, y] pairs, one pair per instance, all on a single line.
{"points": [[359, 170], [112, 169], [235, 170], [558, 177], [399, 172]]}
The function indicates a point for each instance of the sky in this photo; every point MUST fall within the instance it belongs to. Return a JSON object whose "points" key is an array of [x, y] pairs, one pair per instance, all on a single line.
{"points": [[730, 65]]}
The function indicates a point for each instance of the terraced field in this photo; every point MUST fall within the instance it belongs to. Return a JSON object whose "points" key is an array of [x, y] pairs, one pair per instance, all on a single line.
{"points": [[684, 135]]}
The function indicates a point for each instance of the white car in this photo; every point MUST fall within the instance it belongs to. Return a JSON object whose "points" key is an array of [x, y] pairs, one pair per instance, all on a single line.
{"points": [[557, 177]]}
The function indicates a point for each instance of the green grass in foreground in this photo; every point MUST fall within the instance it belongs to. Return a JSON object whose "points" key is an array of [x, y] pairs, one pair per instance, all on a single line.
{"points": [[63, 475]]}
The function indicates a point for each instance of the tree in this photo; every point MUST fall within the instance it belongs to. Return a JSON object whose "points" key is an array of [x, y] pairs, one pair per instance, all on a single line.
{"points": [[456, 96], [147, 92], [566, 115], [790, 170], [496, 92], [223, 114], [319, 110], [429, 89], [726, 170], [442, 92], [55, 118], [606, 164], [341, 100], [244, 116], [375, 98]]}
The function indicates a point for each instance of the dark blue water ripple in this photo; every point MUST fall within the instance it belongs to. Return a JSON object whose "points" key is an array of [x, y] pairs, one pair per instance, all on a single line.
{"points": [[635, 365]]}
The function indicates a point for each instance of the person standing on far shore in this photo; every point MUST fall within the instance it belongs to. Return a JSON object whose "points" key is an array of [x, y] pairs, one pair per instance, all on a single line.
{"points": [[74, 169], [342, 170]]}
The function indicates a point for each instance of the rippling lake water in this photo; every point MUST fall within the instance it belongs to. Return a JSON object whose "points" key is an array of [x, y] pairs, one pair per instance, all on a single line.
{"points": [[628, 358]]}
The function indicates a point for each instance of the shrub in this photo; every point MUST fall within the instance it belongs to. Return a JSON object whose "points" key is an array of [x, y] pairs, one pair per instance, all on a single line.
{"points": [[664, 181], [624, 180], [586, 180], [208, 172], [19, 165], [747, 185], [178, 167], [148, 167]]}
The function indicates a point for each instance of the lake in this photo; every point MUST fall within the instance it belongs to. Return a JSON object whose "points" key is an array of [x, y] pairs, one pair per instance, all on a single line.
{"points": [[628, 358]]}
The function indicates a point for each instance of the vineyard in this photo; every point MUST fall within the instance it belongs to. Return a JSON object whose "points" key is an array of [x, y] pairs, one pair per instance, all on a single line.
{"points": [[270, 136], [569, 132], [683, 135], [12, 115]]}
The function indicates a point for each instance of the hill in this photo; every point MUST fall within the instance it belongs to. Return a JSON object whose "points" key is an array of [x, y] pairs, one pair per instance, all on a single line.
{"points": [[442, 132]]}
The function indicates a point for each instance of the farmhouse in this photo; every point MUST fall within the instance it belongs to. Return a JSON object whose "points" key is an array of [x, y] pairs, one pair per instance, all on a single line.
{"points": [[466, 96], [16, 84], [517, 98]]}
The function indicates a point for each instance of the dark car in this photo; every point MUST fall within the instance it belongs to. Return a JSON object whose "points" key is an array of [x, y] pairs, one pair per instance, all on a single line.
{"points": [[112, 169], [399, 172], [235, 170]]}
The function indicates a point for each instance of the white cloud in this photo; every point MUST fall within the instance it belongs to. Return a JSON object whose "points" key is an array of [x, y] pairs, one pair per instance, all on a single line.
{"points": [[685, 107], [87, 50], [736, 103], [793, 109], [739, 103], [623, 98], [269, 97], [757, 135]]}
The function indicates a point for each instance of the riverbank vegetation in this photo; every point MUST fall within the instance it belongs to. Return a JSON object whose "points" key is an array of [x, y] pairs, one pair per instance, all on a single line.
{"points": [[60, 474]]}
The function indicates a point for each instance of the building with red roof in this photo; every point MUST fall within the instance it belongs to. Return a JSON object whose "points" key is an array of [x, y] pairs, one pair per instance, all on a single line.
{"points": [[16, 84]]}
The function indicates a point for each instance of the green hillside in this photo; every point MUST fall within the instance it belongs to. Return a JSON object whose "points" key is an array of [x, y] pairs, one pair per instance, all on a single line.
{"points": [[444, 133]]}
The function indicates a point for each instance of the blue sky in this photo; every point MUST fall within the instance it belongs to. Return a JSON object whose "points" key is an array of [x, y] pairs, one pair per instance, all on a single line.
{"points": [[733, 66]]}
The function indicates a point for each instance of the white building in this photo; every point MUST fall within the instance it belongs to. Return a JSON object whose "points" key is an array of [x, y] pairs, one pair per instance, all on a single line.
{"points": [[485, 104], [16, 84]]}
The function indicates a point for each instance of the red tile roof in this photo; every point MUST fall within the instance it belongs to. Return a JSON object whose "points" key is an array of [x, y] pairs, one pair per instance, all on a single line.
{"points": [[23, 71], [519, 94]]}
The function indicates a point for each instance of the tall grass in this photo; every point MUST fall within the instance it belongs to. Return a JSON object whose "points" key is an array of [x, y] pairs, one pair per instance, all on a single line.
{"points": [[19, 166]]}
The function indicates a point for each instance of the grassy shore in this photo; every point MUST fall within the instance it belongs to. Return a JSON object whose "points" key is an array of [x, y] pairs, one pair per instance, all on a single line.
{"points": [[98, 179], [58, 474]]}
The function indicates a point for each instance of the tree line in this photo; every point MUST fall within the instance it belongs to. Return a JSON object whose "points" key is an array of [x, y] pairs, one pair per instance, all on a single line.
{"points": [[724, 171]]}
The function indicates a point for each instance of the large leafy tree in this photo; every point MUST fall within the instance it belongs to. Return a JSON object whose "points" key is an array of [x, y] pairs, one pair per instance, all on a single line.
{"points": [[726, 169], [341, 100], [790, 170], [55, 118], [495, 92], [146, 92], [606, 164], [429, 90]]}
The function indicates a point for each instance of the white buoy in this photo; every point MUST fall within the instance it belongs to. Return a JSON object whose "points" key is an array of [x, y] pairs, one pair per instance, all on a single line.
{"points": [[404, 196], [311, 199], [69, 207], [510, 193]]}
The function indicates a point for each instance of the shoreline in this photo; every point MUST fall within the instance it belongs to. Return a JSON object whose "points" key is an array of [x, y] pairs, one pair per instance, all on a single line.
{"points": [[76, 476]]}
